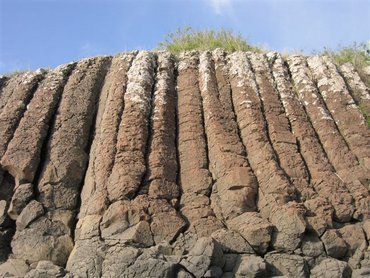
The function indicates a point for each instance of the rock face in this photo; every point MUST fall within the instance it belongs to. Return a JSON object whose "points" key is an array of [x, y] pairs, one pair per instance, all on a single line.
{"points": [[208, 164]]}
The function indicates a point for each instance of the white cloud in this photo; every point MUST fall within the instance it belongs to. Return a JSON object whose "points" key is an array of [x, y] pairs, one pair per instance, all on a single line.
{"points": [[219, 6]]}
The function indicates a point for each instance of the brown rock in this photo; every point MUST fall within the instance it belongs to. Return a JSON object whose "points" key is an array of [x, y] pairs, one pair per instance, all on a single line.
{"points": [[312, 246], [250, 118], [162, 160], [120, 217], [331, 268], [236, 184], [66, 158], [23, 154], [31, 212], [250, 266], [194, 174], [232, 242], [335, 246], [129, 163], [320, 215], [101, 158], [290, 226], [17, 99], [286, 264], [354, 237], [166, 226], [34, 243], [22, 195], [331, 187], [255, 230], [14, 268], [337, 98], [205, 253], [366, 228], [46, 269]]}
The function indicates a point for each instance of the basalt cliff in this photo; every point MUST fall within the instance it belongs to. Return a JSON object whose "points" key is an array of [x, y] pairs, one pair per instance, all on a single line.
{"points": [[209, 164]]}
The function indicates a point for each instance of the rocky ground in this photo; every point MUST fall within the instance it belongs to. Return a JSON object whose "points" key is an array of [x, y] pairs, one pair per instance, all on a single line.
{"points": [[209, 164]]}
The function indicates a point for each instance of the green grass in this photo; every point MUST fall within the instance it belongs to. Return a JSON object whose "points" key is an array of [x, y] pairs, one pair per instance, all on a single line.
{"points": [[366, 112], [358, 54], [190, 39]]}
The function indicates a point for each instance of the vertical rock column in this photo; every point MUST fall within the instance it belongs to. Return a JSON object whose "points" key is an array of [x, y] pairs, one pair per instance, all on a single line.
{"points": [[94, 196], [88, 253], [8, 86], [194, 177], [166, 224], [329, 136], [276, 193], [355, 176], [236, 186], [358, 89], [321, 171], [44, 228], [23, 154], [351, 123], [129, 163], [3, 81], [282, 139], [125, 219], [16, 97], [162, 159]]}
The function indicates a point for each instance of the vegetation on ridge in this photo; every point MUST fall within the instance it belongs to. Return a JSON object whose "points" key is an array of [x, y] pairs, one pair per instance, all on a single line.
{"points": [[188, 38], [358, 54]]}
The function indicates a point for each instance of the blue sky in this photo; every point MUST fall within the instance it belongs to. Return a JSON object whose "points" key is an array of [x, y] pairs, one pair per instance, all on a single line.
{"points": [[46, 33]]}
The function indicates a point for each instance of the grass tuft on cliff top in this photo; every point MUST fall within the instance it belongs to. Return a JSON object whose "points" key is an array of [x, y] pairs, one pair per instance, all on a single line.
{"points": [[188, 38], [358, 54]]}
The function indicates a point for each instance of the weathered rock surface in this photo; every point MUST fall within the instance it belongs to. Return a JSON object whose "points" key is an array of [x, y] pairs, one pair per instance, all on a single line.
{"points": [[208, 164], [330, 268]]}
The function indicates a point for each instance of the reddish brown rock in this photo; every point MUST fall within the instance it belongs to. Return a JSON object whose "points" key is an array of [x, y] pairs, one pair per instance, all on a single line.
{"points": [[64, 166], [103, 148], [337, 98], [129, 163], [23, 154], [331, 268], [235, 183], [275, 188], [335, 246], [189, 166], [357, 87], [194, 177], [279, 129], [328, 133], [23, 193], [256, 231], [16, 97], [66, 158], [162, 160]]}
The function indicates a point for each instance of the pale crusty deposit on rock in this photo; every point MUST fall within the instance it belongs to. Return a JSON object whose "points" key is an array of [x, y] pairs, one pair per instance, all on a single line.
{"points": [[209, 164]]}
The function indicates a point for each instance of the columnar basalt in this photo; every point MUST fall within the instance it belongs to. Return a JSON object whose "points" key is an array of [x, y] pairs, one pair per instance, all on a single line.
{"points": [[209, 164]]}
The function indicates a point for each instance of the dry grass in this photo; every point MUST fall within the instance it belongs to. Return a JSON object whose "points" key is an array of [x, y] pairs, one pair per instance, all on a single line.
{"points": [[190, 39]]}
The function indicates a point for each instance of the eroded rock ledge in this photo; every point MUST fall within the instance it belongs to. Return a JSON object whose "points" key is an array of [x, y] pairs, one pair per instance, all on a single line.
{"points": [[209, 164]]}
